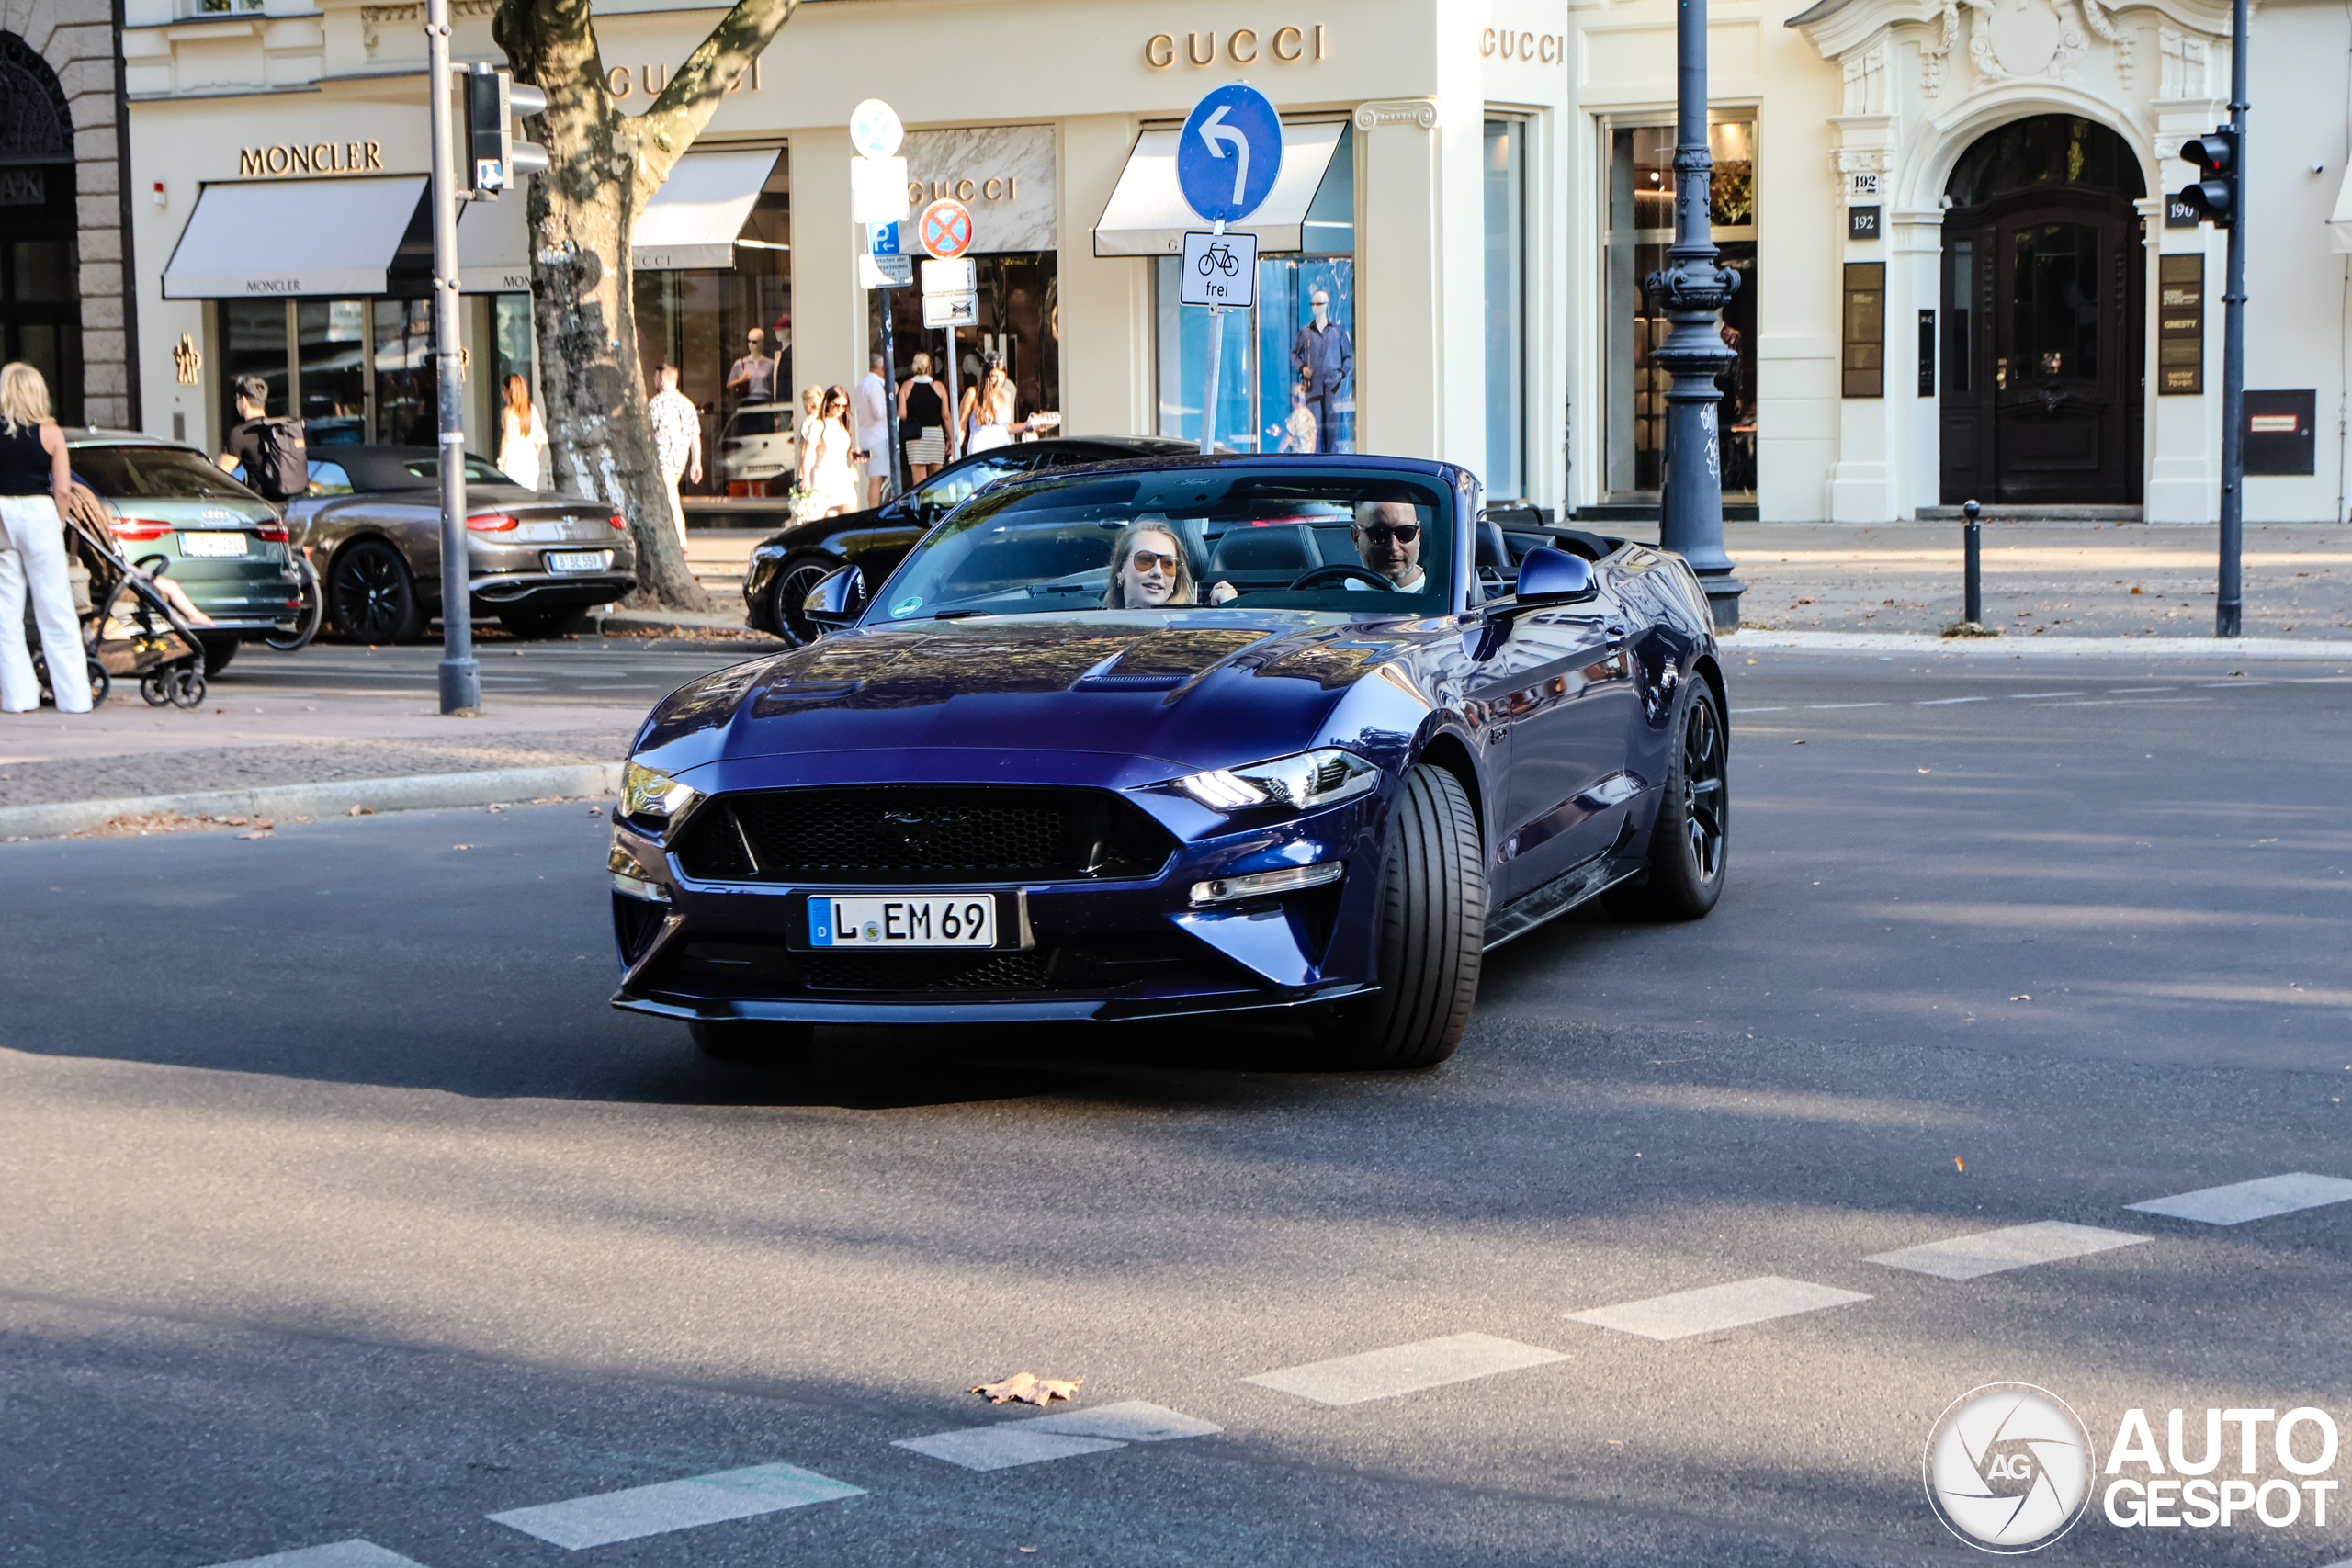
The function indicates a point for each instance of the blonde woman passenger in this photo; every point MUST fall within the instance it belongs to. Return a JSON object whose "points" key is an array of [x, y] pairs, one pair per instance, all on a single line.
{"points": [[36, 488], [522, 436], [1148, 570]]}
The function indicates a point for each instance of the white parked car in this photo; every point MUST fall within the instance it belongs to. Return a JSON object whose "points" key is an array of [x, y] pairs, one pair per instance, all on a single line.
{"points": [[760, 442]]}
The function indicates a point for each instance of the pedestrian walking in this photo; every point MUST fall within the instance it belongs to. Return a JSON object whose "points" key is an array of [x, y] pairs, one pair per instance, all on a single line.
{"points": [[677, 442], [522, 436], [36, 487], [271, 453], [827, 479], [872, 399], [923, 422], [986, 419], [1325, 356]]}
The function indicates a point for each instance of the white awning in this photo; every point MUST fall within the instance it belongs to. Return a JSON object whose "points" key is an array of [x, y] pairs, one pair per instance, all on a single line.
{"points": [[2339, 222], [494, 245], [1148, 215], [286, 237], [694, 219]]}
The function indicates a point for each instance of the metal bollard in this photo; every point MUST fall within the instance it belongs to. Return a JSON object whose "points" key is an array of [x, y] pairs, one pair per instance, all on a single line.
{"points": [[1974, 612]]}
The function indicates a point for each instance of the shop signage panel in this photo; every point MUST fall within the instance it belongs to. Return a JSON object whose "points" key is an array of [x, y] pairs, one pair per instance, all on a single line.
{"points": [[2280, 436], [1220, 269], [1003, 173], [2180, 325]]}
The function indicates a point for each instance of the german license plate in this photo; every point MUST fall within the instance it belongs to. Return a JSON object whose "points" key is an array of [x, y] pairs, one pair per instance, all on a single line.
{"points": [[576, 560], [212, 545], [903, 920]]}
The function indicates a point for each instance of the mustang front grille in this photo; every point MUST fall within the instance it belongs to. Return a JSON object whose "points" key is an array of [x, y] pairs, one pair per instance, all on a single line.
{"points": [[920, 835]]}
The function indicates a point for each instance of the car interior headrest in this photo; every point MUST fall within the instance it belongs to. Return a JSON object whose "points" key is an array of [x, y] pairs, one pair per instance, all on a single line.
{"points": [[1282, 547]]}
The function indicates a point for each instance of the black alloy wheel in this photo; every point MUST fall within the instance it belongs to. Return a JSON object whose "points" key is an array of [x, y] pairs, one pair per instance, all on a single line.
{"points": [[1432, 933], [786, 616], [1692, 837], [373, 595]]}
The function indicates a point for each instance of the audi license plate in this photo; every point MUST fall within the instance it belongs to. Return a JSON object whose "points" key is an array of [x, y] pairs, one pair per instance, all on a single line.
{"points": [[903, 920], [208, 544], [576, 560]]}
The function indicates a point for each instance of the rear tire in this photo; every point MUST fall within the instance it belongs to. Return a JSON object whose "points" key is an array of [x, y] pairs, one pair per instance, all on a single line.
{"points": [[1689, 844], [218, 649], [1433, 932], [535, 624], [373, 594], [748, 1040]]}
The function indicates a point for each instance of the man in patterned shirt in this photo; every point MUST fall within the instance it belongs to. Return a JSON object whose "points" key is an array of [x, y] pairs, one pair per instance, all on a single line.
{"points": [[677, 442]]}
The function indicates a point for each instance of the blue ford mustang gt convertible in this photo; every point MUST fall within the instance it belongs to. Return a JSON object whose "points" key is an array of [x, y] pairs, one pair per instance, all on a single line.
{"points": [[1178, 736]]}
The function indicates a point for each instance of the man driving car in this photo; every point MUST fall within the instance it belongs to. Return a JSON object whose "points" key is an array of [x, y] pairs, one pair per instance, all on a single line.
{"points": [[1387, 535]]}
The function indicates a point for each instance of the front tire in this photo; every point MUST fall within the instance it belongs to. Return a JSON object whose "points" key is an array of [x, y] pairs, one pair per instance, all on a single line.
{"points": [[747, 1040], [1690, 843], [1432, 933], [790, 590], [374, 595]]}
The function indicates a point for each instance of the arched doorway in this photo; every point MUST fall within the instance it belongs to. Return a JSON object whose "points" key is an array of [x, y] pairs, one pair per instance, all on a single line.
{"points": [[2043, 300], [40, 311]]}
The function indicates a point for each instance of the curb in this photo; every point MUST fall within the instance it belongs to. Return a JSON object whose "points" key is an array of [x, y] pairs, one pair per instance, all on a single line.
{"points": [[685, 623], [2038, 647], [420, 792]]}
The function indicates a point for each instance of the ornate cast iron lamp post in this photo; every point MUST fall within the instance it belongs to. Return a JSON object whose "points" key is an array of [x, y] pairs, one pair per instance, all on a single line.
{"points": [[1693, 290]]}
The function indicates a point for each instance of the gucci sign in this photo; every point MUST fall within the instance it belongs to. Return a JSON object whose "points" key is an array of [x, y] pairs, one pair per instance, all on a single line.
{"points": [[1243, 46], [1547, 47]]}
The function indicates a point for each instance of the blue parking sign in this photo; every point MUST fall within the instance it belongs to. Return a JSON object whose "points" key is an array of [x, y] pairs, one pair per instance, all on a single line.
{"points": [[1230, 153], [882, 239]]}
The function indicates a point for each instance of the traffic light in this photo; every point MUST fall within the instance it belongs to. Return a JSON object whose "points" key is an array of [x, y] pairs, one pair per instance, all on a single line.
{"points": [[495, 160], [2214, 197]]}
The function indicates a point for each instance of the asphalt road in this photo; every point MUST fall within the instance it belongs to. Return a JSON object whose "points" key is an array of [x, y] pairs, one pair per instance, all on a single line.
{"points": [[639, 670], [335, 1205]]}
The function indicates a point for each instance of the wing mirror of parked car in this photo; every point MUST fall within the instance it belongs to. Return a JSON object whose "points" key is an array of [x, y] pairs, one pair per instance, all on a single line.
{"points": [[837, 601], [1549, 577]]}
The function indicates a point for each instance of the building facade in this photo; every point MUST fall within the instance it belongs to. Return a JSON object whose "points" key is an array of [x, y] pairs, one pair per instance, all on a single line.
{"points": [[1959, 278], [66, 304]]}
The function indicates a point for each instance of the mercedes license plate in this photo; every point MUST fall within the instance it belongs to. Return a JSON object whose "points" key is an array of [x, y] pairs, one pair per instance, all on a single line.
{"points": [[209, 545], [903, 920], [576, 560]]}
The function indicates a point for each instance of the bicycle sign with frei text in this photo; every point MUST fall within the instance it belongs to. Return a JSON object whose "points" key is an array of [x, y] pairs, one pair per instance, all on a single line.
{"points": [[1220, 269]]}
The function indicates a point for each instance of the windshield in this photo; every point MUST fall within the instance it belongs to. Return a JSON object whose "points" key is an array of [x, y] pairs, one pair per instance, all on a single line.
{"points": [[158, 473], [1368, 544], [950, 490], [762, 421]]}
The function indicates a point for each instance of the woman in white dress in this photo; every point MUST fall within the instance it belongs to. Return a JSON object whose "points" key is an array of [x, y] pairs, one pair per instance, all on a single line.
{"points": [[986, 417], [522, 436], [827, 450]]}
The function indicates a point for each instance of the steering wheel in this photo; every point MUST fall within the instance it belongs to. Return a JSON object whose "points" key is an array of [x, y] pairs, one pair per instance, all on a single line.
{"points": [[1314, 577]]}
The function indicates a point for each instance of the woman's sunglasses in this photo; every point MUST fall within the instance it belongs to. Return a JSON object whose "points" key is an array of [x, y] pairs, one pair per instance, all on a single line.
{"points": [[1145, 560], [1403, 532]]}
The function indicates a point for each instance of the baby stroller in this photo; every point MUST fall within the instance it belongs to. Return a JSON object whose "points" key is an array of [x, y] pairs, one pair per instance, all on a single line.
{"points": [[130, 625]]}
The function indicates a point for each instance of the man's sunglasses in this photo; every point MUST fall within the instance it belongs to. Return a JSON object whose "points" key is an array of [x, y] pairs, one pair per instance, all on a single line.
{"points": [[1144, 559], [1403, 532]]}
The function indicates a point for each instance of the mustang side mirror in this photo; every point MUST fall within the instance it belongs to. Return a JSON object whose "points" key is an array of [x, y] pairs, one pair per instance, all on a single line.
{"points": [[1548, 577], [838, 599]]}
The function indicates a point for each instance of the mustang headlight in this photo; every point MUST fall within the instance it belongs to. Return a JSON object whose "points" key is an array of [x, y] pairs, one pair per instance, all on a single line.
{"points": [[645, 793], [1307, 779]]}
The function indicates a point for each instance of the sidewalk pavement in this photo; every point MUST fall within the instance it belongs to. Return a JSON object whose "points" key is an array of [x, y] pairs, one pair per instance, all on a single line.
{"points": [[2132, 579]]}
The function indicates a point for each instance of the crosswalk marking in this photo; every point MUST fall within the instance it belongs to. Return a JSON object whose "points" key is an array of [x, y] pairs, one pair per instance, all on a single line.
{"points": [[1405, 1368], [2242, 1200], [1715, 1307], [608, 1516], [1002, 1447], [1129, 1421], [1992, 1252], [353, 1553], [1063, 1436]]}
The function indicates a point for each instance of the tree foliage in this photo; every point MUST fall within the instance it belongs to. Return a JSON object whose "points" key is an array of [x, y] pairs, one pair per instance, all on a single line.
{"points": [[603, 166]]}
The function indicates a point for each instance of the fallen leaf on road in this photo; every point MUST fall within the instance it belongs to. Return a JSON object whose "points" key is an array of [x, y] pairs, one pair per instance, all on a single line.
{"points": [[1027, 1388], [1796, 742], [596, 811], [1958, 1163], [361, 811], [261, 833], [469, 846], [2021, 998]]}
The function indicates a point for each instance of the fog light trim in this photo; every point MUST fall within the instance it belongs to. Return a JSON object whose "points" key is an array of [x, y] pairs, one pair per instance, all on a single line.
{"points": [[1259, 884]]}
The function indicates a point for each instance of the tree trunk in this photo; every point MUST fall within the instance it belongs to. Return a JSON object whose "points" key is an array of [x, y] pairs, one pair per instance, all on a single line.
{"points": [[601, 168]]}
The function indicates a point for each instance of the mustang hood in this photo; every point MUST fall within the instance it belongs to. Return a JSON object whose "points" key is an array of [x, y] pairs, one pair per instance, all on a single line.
{"points": [[1189, 689]]}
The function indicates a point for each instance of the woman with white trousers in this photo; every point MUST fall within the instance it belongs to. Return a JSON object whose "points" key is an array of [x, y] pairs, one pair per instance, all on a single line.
{"points": [[35, 485]]}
